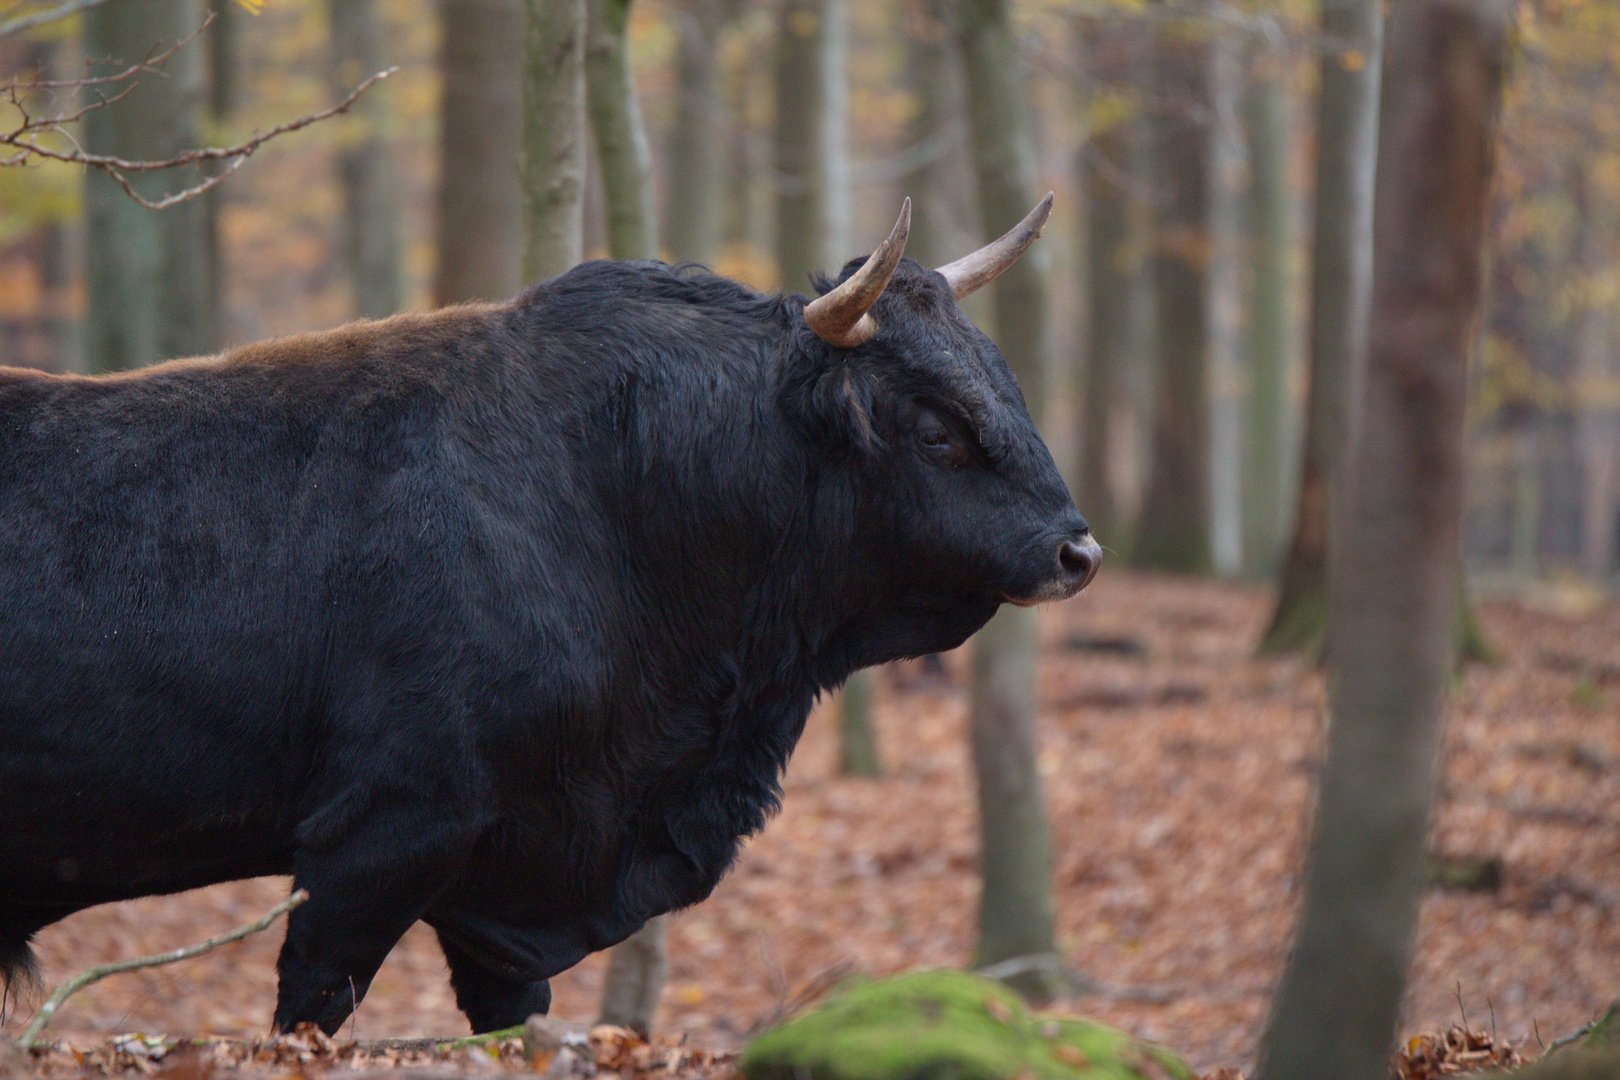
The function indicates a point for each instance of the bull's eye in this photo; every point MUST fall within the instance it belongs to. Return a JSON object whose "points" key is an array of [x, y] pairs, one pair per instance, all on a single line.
{"points": [[934, 436], [937, 438]]}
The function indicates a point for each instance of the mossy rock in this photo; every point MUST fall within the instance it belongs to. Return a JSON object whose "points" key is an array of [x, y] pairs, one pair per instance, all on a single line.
{"points": [[947, 1025]]}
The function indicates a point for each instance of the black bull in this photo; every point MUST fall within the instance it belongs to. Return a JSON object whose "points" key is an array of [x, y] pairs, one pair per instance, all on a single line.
{"points": [[504, 617]]}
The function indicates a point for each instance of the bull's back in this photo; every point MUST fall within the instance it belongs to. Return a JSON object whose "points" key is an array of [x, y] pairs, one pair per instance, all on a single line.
{"points": [[164, 637]]}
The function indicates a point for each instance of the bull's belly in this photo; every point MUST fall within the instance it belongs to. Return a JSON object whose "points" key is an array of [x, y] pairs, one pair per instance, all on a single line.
{"points": [[76, 869]]}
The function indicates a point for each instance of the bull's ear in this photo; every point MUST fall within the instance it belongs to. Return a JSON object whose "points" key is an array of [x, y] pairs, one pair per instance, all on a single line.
{"points": [[843, 317], [972, 272]]}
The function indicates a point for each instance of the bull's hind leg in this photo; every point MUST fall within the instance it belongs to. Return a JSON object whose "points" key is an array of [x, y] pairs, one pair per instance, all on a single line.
{"points": [[491, 1000]]}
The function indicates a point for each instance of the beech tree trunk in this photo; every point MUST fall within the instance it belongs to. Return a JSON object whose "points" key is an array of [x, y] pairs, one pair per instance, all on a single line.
{"points": [[1103, 164], [1267, 475], [1173, 531], [697, 151], [146, 271], [481, 208], [1015, 910], [554, 137], [621, 142], [1223, 297], [1396, 555], [1341, 261], [366, 166], [800, 201]]}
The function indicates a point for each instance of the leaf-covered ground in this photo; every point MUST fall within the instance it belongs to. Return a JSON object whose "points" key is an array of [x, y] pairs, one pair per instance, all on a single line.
{"points": [[1178, 770]]}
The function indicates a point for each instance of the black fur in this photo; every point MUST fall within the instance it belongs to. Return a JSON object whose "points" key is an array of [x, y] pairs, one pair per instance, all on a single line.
{"points": [[505, 618]]}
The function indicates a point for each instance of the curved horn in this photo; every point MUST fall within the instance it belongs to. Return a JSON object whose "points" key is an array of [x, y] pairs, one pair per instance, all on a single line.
{"points": [[972, 272], [840, 318]]}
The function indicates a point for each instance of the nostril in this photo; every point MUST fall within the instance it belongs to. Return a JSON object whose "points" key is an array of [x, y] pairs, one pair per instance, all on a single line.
{"points": [[1075, 560]]}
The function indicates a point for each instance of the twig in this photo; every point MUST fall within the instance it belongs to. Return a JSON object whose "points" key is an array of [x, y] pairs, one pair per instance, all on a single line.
{"points": [[235, 156], [31, 1033], [1573, 1037], [39, 18]]}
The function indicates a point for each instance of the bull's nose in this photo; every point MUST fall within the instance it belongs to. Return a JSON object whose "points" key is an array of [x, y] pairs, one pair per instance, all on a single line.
{"points": [[1078, 559]]}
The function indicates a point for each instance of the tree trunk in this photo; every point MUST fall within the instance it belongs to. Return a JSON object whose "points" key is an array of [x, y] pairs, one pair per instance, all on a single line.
{"points": [[800, 204], [637, 968], [697, 142], [554, 137], [1224, 289], [366, 166], [222, 95], [1272, 310], [857, 740], [146, 272], [621, 143], [1103, 165], [1015, 910], [1396, 553], [1173, 532], [1597, 372], [480, 225], [928, 78], [1341, 260]]}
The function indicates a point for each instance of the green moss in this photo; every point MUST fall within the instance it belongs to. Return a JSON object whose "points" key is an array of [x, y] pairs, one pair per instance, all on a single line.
{"points": [[945, 1025]]}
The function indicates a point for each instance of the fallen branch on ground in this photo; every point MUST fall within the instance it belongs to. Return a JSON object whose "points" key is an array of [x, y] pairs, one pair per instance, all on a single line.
{"points": [[31, 1033]]}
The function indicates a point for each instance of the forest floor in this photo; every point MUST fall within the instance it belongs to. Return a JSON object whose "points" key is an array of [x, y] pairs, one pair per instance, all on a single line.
{"points": [[1178, 769]]}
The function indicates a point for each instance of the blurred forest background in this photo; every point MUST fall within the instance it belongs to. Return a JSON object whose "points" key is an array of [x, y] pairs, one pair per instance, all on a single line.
{"points": [[1209, 160]]}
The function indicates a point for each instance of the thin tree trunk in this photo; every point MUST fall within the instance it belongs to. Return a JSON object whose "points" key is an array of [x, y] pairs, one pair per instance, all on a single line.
{"points": [[1341, 260], [857, 740], [697, 144], [621, 142], [554, 137], [481, 220], [1272, 332], [1223, 295], [1396, 556], [927, 77], [366, 166], [222, 95], [800, 205], [637, 969], [1015, 910], [1173, 532], [1597, 371], [1103, 164], [146, 272]]}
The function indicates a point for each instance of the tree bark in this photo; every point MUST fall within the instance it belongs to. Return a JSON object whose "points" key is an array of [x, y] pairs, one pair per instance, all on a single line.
{"points": [[1341, 260], [697, 144], [1396, 555], [1173, 532], [1267, 476], [800, 201], [857, 740], [1597, 372], [366, 167], [1015, 909], [481, 219], [554, 137], [928, 78], [621, 142], [1103, 165], [1223, 296], [146, 273]]}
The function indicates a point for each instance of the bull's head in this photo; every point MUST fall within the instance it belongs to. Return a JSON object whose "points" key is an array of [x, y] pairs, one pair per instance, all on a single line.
{"points": [[967, 502]]}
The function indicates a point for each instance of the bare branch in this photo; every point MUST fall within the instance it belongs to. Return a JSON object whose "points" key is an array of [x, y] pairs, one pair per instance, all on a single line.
{"points": [[35, 1026], [40, 18], [25, 140]]}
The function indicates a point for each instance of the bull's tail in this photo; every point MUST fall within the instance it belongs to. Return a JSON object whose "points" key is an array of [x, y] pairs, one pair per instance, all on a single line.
{"points": [[19, 970]]}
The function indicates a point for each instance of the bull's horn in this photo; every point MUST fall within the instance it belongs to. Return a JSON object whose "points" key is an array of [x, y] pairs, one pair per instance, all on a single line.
{"points": [[841, 317], [972, 272]]}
